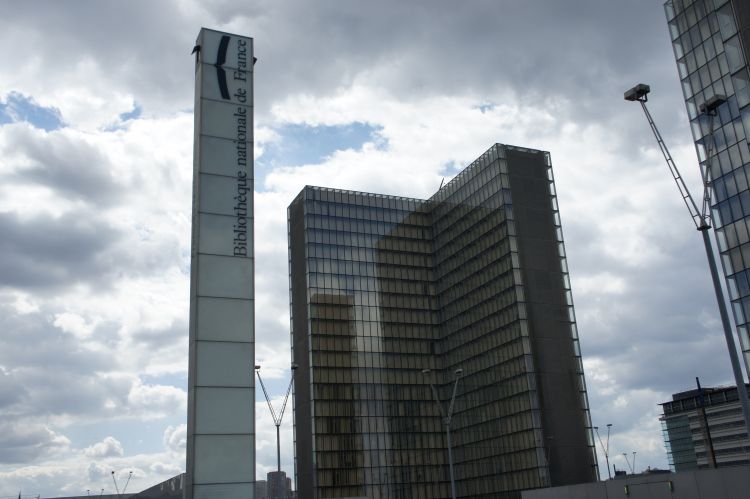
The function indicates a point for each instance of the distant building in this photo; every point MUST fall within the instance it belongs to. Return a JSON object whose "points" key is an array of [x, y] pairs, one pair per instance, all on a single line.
{"points": [[261, 489], [474, 278], [711, 42], [686, 435], [279, 485]]}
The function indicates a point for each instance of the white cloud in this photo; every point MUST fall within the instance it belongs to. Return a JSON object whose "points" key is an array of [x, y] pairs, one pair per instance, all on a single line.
{"points": [[109, 447], [22, 441], [74, 324], [155, 399], [175, 438]]}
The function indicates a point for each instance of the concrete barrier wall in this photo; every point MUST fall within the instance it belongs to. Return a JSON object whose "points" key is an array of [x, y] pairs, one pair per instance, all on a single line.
{"points": [[723, 483]]}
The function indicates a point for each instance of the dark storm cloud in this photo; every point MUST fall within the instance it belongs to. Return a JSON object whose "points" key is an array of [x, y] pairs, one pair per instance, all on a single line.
{"points": [[158, 339], [587, 51], [10, 390], [53, 351], [21, 443], [44, 252], [139, 46], [64, 163], [662, 329]]}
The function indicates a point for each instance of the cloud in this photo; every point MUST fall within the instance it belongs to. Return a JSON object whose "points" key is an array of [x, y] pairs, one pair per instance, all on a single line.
{"points": [[175, 438], [108, 447], [22, 442], [40, 251], [74, 324], [77, 470], [10, 391], [156, 400]]}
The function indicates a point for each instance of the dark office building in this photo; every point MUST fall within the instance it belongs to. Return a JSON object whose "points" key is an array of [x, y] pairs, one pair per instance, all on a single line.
{"points": [[711, 41], [474, 278]]}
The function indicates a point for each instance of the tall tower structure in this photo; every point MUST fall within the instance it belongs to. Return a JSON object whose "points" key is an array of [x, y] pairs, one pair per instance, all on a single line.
{"points": [[711, 42], [221, 390], [390, 295]]}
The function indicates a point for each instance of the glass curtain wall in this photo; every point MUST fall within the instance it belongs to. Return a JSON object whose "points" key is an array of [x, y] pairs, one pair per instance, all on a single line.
{"points": [[483, 330], [711, 60], [394, 286]]}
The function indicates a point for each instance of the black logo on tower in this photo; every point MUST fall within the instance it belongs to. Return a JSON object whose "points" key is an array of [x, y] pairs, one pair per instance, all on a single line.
{"points": [[221, 75]]}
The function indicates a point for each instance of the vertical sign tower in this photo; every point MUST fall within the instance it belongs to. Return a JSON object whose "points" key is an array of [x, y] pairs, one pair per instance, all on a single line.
{"points": [[221, 391]]}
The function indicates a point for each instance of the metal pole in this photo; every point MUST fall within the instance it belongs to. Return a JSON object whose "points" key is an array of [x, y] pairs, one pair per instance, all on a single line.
{"points": [[447, 418], [704, 421], [606, 453], [277, 418], [450, 458], [278, 450], [625, 455], [606, 459], [737, 371], [605, 449], [130, 475], [115, 480]]}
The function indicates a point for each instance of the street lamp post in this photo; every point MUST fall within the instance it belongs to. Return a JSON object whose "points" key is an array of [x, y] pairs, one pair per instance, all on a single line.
{"points": [[702, 220], [276, 417], [606, 449], [119, 494], [625, 455], [447, 418]]}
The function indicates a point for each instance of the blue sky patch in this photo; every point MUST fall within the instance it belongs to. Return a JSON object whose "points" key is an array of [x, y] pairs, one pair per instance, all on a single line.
{"points": [[305, 144], [486, 107], [132, 115], [20, 108]]}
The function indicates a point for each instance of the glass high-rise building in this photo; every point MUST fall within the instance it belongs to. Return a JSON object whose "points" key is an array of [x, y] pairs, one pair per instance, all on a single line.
{"points": [[711, 41], [474, 278]]}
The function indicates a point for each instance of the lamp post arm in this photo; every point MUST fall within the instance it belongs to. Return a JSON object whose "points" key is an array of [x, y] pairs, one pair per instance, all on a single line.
{"points": [[596, 430], [288, 391], [609, 427], [268, 399], [130, 475], [698, 218], [116, 487], [437, 401], [453, 402]]}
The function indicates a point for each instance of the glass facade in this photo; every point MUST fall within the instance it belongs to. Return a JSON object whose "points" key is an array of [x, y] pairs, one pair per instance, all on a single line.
{"points": [[384, 287], [710, 41]]}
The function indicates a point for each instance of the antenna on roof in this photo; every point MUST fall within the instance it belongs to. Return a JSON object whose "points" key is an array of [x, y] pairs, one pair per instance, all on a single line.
{"points": [[441, 183]]}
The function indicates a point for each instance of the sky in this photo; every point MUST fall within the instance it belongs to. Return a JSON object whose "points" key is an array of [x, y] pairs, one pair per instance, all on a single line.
{"points": [[96, 131]]}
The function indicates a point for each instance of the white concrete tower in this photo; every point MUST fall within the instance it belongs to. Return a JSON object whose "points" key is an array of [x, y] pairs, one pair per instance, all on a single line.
{"points": [[221, 389]]}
